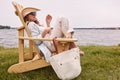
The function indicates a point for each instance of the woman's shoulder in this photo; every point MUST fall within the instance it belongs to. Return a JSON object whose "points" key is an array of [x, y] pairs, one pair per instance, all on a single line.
{"points": [[31, 23]]}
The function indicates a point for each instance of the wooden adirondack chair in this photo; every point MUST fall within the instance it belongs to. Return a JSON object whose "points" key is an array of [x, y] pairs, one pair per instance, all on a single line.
{"points": [[25, 60]]}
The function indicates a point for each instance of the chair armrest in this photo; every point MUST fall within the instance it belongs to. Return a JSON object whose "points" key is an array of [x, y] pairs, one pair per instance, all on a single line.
{"points": [[50, 39]]}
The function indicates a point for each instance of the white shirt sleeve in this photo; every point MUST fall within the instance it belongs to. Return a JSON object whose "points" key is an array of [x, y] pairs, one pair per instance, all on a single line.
{"points": [[35, 31]]}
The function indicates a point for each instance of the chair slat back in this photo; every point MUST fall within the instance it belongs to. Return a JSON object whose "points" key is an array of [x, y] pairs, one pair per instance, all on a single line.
{"points": [[19, 9]]}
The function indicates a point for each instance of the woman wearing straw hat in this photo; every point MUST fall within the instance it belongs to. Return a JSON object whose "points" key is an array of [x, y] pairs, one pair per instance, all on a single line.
{"points": [[61, 29]]}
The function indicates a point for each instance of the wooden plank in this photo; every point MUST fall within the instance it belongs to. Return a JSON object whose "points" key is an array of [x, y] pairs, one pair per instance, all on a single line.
{"points": [[50, 39], [19, 28], [21, 46], [66, 39], [31, 48], [27, 66]]}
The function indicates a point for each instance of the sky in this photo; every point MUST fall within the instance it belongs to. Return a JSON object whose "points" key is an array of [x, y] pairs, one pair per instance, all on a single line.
{"points": [[81, 13]]}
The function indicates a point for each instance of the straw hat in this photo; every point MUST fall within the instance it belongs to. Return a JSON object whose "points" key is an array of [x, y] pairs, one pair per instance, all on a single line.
{"points": [[28, 10]]}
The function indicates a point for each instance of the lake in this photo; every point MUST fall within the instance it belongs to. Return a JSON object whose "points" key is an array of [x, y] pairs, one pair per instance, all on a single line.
{"points": [[9, 37]]}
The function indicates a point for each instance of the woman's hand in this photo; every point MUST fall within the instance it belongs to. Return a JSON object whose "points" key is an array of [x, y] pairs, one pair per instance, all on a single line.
{"points": [[47, 30], [48, 20]]}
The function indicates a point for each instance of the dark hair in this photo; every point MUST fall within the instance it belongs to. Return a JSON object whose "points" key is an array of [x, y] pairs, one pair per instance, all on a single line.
{"points": [[26, 18]]}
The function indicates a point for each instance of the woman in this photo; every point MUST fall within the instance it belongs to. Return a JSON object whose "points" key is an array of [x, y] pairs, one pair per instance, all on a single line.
{"points": [[61, 29]]}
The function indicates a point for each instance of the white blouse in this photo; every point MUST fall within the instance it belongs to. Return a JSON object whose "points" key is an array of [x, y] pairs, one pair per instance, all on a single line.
{"points": [[36, 31]]}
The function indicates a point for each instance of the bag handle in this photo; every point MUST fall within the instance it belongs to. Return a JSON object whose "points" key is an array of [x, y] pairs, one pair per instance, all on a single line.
{"points": [[54, 43]]}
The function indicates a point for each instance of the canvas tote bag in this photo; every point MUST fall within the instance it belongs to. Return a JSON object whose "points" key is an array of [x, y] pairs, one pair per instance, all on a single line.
{"points": [[66, 64]]}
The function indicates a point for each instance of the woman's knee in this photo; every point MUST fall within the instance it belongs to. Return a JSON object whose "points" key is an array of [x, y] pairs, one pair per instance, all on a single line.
{"points": [[63, 19]]}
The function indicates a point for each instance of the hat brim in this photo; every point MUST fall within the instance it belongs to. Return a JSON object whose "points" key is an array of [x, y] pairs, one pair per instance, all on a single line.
{"points": [[28, 10]]}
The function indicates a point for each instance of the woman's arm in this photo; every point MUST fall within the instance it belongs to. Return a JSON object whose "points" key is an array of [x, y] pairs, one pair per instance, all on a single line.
{"points": [[46, 31], [48, 20]]}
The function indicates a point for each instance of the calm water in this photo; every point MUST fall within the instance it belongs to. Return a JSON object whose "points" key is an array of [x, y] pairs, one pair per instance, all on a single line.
{"points": [[98, 37], [8, 37]]}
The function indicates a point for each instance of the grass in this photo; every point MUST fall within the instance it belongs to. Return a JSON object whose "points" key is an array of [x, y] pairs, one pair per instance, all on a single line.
{"points": [[98, 63]]}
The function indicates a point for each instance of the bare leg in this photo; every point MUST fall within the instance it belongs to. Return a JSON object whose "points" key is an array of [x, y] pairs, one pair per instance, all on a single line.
{"points": [[62, 29], [72, 45]]}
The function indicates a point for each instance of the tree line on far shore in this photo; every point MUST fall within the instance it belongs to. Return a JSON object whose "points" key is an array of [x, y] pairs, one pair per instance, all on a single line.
{"points": [[5, 27]]}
